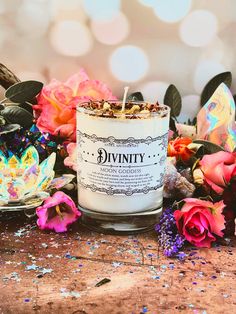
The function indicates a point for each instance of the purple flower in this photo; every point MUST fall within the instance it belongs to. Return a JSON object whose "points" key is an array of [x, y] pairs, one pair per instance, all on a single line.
{"points": [[168, 237], [57, 213]]}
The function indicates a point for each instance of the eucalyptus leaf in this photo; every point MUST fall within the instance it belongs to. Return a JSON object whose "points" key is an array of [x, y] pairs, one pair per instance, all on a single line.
{"points": [[173, 100], [211, 86], [2, 121], [7, 77], [15, 114], [9, 128], [172, 125], [137, 96], [23, 91], [209, 147], [27, 107]]}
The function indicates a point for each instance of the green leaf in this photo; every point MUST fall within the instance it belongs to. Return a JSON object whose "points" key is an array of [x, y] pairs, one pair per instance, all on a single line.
{"points": [[172, 125], [23, 91], [137, 96], [27, 107], [9, 128], [15, 114], [211, 86], [209, 147], [173, 100], [2, 121]]}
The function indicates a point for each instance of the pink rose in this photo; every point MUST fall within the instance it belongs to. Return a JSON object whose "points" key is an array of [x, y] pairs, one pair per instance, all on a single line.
{"points": [[56, 107], [218, 169], [70, 161], [57, 213], [198, 220]]}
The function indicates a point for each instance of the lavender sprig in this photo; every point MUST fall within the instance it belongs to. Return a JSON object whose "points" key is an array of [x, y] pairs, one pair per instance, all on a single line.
{"points": [[168, 237]]}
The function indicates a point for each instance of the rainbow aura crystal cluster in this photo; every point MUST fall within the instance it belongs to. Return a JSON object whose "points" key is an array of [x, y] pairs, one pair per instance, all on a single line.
{"points": [[23, 178]]}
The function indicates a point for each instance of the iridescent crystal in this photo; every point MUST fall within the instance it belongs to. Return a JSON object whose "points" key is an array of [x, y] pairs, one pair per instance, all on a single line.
{"points": [[24, 177], [216, 120]]}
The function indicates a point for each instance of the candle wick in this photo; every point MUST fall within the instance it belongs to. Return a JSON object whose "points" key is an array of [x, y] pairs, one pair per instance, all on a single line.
{"points": [[124, 98]]}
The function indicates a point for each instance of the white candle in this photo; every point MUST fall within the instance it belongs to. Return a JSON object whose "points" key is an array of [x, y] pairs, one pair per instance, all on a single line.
{"points": [[121, 160]]}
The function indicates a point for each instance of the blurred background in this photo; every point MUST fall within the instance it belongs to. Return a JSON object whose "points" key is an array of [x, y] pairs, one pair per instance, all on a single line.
{"points": [[146, 44]]}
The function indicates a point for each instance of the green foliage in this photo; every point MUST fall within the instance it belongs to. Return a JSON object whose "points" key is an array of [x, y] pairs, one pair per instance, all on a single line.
{"points": [[208, 147], [16, 114], [211, 86], [23, 91], [137, 96], [172, 99]]}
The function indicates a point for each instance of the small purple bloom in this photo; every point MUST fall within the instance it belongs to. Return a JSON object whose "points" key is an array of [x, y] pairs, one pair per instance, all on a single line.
{"points": [[168, 237]]}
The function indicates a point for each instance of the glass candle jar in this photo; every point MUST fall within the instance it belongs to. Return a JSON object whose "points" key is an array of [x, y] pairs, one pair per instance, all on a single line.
{"points": [[121, 161]]}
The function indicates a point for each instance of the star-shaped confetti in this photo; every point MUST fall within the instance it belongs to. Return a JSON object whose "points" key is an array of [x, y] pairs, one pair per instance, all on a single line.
{"points": [[116, 264], [31, 267], [46, 271]]}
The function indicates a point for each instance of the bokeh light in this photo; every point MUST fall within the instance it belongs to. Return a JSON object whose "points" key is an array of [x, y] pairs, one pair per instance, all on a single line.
{"points": [[174, 63], [154, 90], [102, 10], [111, 32], [148, 3], [32, 19], [198, 28], [142, 43], [215, 50], [190, 108], [67, 10], [129, 63], [2, 7], [205, 70], [171, 11], [71, 38]]}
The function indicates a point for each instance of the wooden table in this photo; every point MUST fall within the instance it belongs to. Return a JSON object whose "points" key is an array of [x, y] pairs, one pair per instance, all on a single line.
{"points": [[44, 272]]}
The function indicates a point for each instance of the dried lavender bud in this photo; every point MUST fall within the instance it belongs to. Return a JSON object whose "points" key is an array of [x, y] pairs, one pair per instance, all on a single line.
{"points": [[168, 237]]}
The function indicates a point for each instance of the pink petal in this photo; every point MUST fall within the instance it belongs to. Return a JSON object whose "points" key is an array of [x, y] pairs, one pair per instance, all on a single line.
{"points": [[206, 242], [71, 160], [214, 159], [214, 187], [74, 81], [95, 90], [56, 222]]}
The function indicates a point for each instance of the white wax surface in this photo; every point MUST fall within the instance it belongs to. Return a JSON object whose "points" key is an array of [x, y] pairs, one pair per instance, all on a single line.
{"points": [[119, 128]]}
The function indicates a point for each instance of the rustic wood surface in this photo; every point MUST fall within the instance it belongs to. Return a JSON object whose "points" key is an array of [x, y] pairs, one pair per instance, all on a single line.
{"points": [[44, 272]]}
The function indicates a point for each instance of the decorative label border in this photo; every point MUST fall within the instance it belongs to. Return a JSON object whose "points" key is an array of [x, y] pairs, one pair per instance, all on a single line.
{"points": [[125, 141], [111, 191]]}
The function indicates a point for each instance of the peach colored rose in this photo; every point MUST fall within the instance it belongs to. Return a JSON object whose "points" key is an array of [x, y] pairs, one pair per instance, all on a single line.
{"points": [[218, 169], [56, 107], [198, 221], [70, 161], [179, 148]]}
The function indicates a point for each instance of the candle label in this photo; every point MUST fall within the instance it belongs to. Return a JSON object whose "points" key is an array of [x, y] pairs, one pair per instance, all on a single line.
{"points": [[121, 166]]}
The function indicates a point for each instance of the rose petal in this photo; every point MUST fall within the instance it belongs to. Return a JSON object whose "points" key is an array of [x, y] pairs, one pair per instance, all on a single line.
{"points": [[57, 223], [74, 81]]}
